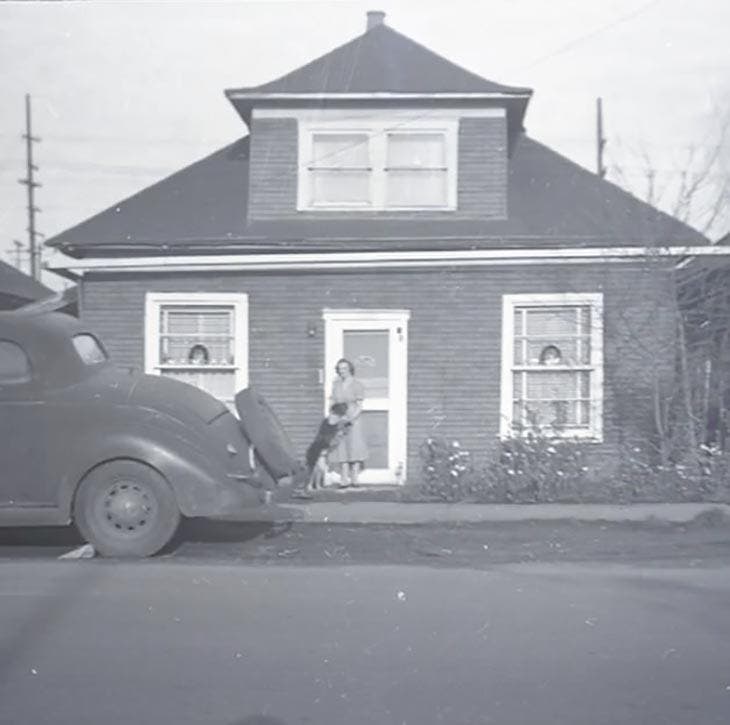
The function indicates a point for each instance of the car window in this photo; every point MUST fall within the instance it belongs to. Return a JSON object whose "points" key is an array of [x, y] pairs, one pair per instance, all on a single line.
{"points": [[14, 363], [89, 349]]}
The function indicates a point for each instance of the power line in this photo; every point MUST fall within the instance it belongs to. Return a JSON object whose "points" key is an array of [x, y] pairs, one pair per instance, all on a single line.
{"points": [[586, 36]]}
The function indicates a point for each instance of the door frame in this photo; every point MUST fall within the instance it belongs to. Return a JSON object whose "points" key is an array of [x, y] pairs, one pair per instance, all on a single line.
{"points": [[396, 321]]}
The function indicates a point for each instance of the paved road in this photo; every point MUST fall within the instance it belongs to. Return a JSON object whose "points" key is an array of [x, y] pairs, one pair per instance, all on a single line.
{"points": [[191, 642]]}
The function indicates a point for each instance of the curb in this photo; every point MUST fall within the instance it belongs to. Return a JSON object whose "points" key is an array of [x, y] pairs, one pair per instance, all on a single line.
{"points": [[433, 513]]}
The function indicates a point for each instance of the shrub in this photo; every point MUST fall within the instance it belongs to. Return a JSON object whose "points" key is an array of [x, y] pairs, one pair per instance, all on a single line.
{"points": [[446, 469], [537, 468]]}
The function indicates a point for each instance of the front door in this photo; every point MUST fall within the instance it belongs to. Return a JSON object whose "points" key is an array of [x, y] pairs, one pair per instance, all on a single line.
{"points": [[376, 342]]}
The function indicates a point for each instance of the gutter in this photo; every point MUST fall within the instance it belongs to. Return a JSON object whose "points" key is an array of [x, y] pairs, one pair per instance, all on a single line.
{"points": [[292, 262]]}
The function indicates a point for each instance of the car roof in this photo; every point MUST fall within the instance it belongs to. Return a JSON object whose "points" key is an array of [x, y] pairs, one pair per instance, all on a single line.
{"points": [[33, 324], [46, 338]]}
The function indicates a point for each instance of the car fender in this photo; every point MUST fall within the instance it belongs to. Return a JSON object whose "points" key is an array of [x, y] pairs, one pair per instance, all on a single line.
{"points": [[200, 488]]}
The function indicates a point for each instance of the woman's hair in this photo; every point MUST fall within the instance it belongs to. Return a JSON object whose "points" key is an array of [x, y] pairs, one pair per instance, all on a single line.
{"points": [[550, 350], [198, 349], [347, 362]]}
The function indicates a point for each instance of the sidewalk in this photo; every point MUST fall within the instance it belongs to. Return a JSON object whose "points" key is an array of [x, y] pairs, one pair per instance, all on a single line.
{"points": [[371, 512]]}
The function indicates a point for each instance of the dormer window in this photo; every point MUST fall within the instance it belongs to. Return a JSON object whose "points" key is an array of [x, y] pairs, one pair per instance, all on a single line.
{"points": [[417, 170], [378, 166], [339, 170]]}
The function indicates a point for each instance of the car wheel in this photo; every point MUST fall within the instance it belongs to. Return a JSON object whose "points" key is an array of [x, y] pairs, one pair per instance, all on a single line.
{"points": [[125, 508]]}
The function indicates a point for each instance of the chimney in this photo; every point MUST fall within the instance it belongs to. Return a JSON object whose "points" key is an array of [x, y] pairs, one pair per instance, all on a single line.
{"points": [[374, 18]]}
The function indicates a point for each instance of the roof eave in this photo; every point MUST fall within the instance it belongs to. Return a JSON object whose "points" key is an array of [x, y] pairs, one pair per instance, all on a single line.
{"points": [[244, 100]]}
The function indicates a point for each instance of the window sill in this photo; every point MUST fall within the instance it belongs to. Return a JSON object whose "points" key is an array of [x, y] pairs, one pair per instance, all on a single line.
{"points": [[584, 436], [327, 208], [187, 367]]}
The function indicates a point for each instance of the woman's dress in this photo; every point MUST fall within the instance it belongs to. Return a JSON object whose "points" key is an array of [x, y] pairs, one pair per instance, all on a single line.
{"points": [[352, 446]]}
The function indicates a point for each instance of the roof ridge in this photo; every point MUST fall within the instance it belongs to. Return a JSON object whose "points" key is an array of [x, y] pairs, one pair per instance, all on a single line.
{"points": [[351, 51], [443, 58]]}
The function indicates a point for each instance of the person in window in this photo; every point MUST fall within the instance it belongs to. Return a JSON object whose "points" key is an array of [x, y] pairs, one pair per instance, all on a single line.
{"points": [[198, 355], [551, 355], [352, 451]]}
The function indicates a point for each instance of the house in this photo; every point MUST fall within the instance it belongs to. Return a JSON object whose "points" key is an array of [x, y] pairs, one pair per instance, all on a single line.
{"points": [[18, 289], [386, 205]]}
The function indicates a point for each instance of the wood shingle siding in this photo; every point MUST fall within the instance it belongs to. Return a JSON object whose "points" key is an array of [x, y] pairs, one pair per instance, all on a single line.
{"points": [[454, 339]]}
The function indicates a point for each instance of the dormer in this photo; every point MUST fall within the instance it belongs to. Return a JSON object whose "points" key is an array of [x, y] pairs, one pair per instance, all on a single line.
{"points": [[380, 126]]}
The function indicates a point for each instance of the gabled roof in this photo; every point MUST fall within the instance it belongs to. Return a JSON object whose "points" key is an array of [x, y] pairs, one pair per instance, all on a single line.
{"points": [[381, 60], [202, 208], [17, 289]]}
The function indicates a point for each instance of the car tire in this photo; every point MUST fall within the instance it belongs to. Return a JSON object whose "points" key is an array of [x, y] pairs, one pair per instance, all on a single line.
{"points": [[264, 430], [126, 509]]}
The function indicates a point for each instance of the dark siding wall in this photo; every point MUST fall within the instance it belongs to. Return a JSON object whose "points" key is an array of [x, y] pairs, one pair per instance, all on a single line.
{"points": [[482, 172], [454, 338], [483, 167]]}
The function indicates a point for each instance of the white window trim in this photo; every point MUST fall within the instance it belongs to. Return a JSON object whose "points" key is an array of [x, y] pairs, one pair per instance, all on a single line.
{"points": [[595, 302], [377, 131], [155, 300]]}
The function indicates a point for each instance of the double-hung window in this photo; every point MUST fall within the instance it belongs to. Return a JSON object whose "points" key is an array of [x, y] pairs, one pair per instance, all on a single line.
{"points": [[417, 170], [552, 365], [378, 167], [200, 339], [340, 172]]}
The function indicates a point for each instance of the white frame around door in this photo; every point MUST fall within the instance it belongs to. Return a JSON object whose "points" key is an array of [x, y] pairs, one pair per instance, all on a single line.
{"points": [[396, 322]]}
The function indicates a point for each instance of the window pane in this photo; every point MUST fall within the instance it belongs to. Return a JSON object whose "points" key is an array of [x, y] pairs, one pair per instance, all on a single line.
{"points": [[585, 320], [554, 413], [518, 356], [340, 187], [369, 351], [375, 425], [557, 321], [585, 350], [585, 385], [421, 150], [340, 150], [517, 321], [551, 386], [220, 384], [89, 349], [197, 320], [14, 363], [517, 391], [196, 335], [538, 354], [417, 188]]}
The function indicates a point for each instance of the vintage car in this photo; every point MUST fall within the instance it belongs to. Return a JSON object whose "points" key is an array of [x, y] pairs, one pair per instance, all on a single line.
{"points": [[121, 454]]}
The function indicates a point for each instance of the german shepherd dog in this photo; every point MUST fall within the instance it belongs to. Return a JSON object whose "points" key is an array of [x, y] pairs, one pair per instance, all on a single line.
{"points": [[331, 430]]}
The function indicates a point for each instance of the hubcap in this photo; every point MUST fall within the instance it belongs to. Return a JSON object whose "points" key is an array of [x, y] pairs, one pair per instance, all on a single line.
{"points": [[128, 507]]}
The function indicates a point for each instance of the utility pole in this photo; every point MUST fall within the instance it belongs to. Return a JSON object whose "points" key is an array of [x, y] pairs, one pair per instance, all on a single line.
{"points": [[18, 254], [600, 140], [31, 184]]}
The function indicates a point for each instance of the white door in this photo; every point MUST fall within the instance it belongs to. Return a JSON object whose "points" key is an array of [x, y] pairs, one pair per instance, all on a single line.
{"points": [[376, 342]]}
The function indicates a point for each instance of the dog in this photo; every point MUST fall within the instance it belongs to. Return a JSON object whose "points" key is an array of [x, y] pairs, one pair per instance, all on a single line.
{"points": [[330, 432]]}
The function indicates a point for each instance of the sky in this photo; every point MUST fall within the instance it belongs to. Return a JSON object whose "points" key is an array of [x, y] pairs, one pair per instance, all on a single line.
{"points": [[125, 92]]}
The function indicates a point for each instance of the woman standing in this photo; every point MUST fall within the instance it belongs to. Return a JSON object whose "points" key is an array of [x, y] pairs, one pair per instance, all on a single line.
{"points": [[352, 450]]}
